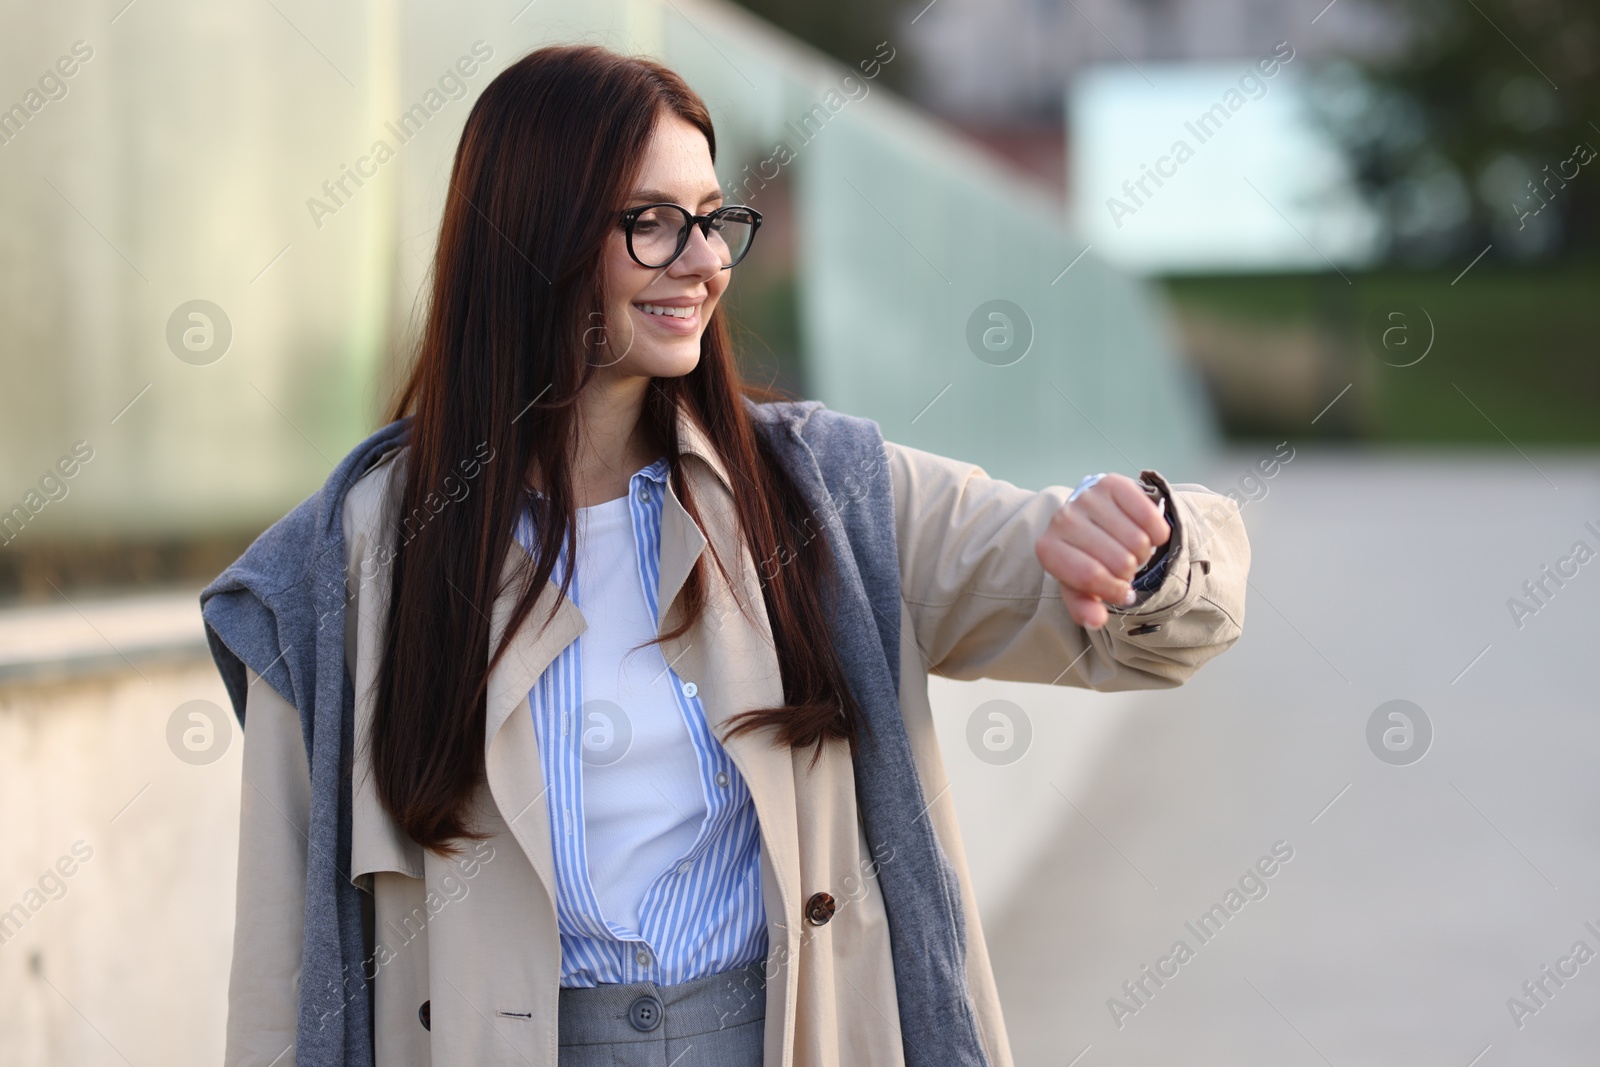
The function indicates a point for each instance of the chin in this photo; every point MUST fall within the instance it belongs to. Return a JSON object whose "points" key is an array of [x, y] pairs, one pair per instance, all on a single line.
{"points": [[668, 361]]}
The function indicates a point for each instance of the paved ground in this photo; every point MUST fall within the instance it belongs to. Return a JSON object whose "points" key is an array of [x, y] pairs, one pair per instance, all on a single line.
{"points": [[1419, 898]]}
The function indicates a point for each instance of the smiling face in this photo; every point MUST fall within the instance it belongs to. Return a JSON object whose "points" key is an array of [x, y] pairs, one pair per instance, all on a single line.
{"points": [[654, 318]]}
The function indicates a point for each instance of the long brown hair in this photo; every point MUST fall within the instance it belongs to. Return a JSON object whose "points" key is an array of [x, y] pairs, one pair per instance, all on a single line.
{"points": [[544, 167]]}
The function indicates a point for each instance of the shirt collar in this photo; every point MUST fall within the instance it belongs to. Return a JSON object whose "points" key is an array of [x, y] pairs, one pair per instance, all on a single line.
{"points": [[655, 472]]}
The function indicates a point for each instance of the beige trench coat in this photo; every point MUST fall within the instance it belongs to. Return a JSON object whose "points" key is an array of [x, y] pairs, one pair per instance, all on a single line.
{"points": [[477, 937]]}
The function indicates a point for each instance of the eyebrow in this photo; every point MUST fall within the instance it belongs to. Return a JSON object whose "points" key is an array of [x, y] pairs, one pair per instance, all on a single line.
{"points": [[656, 196]]}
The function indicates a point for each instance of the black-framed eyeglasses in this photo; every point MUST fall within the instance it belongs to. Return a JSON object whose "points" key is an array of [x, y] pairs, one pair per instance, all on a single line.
{"points": [[658, 233]]}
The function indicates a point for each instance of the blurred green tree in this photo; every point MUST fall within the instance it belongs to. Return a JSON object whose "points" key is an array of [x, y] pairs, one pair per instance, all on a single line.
{"points": [[846, 30], [1481, 127]]}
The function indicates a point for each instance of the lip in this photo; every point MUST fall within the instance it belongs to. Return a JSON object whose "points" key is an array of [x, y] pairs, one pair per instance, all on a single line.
{"points": [[683, 327]]}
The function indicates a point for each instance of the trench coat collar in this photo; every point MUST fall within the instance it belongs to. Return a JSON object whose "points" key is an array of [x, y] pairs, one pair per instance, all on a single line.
{"points": [[693, 441]]}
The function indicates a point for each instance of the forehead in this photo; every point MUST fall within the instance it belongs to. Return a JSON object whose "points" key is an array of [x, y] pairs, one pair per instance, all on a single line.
{"points": [[677, 161]]}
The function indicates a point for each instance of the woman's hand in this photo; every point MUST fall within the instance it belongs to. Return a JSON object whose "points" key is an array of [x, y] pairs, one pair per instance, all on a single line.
{"points": [[1096, 543]]}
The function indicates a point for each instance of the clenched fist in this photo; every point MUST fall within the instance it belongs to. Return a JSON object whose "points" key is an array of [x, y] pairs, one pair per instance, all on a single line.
{"points": [[1096, 543]]}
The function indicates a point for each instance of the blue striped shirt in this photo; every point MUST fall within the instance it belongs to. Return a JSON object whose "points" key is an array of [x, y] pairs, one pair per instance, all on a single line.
{"points": [[703, 913]]}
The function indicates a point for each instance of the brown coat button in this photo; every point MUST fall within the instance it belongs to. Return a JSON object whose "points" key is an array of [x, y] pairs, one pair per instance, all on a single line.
{"points": [[820, 908]]}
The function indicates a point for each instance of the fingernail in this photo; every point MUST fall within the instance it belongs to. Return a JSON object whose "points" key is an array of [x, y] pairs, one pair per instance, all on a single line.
{"points": [[1127, 601]]}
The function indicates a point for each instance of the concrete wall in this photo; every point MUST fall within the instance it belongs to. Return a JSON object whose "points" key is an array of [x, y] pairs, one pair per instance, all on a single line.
{"points": [[125, 960]]}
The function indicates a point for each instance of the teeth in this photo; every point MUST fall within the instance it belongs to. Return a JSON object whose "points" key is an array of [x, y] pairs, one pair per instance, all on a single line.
{"points": [[658, 309]]}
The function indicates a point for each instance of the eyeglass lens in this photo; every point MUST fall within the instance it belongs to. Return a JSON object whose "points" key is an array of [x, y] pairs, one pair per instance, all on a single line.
{"points": [[658, 233]]}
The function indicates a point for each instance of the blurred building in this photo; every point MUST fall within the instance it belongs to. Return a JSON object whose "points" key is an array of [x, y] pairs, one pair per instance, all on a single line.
{"points": [[1009, 61], [1202, 167], [1086, 95]]}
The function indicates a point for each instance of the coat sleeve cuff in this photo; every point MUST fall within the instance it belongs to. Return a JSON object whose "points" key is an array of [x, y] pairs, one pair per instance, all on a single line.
{"points": [[1162, 585]]}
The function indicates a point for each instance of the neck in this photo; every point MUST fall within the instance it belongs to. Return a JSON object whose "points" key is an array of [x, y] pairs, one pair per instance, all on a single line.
{"points": [[613, 440]]}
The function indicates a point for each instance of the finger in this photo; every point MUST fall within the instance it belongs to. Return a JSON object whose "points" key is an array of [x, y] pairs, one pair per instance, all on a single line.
{"points": [[1086, 611], [1109, 516], [1079, 571], [1139, 507], [1082, 532]]}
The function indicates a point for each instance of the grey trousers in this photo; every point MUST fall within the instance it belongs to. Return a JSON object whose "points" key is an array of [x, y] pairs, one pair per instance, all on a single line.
{"points": [[715, 1021]]}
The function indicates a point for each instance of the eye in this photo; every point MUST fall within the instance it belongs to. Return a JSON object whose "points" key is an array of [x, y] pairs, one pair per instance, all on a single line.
{"points": [[657, 221]]}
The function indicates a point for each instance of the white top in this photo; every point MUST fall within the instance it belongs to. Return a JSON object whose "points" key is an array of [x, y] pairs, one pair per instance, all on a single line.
{"points": [[642, 799]]}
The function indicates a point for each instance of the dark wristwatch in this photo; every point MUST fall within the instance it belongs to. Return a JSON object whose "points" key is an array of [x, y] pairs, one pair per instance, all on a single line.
{"points": [[1152, 573]]}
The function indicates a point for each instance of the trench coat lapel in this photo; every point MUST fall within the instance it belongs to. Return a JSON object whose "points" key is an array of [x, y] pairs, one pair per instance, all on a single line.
{"points": [[737, 656], [732, 661], [681, 545], [511, 754]]}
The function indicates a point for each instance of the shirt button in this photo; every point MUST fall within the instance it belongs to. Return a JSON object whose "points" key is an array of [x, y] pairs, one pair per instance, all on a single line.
{"points": [[690, 689], [644, 496], [643, 956], [722, 778], [685, 867]]}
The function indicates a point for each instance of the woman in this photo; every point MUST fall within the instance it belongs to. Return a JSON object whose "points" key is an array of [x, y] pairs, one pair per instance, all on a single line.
{"points": [[635, 762]]}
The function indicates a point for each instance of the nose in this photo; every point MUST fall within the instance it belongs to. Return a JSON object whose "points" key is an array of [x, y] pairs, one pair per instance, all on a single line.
{"points": [[698, 259]]}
